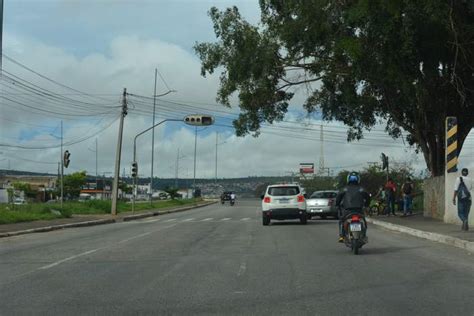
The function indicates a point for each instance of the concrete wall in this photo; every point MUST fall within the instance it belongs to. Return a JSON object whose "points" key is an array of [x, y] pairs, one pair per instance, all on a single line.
{"points": [[434, 197]]}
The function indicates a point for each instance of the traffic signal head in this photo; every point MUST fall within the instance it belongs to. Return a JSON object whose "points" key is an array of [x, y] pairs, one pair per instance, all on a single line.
{"points": [[66, 159], [384, 161], [134, 169], [199, 120]]}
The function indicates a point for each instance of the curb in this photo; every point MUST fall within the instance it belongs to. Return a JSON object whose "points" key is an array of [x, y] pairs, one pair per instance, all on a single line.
{"points": [[444, 239], [57, 227], [156, 213]]}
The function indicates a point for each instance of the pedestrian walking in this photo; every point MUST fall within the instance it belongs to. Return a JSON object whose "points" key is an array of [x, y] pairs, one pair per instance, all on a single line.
{"points": [[407, 191], [390, 191], [462, 191]]}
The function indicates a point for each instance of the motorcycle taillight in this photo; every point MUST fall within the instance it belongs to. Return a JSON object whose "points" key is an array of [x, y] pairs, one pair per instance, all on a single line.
{"points": [[355, 218]]}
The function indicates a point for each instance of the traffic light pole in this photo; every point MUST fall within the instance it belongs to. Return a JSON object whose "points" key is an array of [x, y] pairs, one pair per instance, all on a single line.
{"points": [[135, 153]]}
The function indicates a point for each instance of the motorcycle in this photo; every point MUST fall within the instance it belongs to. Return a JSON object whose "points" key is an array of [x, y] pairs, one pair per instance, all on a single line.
{"points": [[355, 228], [232, 202]]}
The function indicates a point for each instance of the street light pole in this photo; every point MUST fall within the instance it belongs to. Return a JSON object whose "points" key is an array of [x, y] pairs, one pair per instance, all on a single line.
{"points": [[153, 141], [62, 167], [217, 135], [195, 146]]}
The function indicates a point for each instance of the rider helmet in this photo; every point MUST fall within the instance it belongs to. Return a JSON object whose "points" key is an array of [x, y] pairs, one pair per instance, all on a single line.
{"points": [[353, 178]]}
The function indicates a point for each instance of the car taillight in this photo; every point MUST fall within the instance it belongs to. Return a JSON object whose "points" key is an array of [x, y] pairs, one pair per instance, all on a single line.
{"points": [[355, 218], [267, 199], [300, 198]]}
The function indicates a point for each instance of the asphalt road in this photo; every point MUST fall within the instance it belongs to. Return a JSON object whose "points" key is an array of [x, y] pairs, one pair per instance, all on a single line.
{"points": [[221, 260]]}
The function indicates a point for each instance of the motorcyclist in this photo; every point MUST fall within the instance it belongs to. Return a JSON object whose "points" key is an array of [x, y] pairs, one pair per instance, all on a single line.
{"points": [[232, 196], [351, 199]]}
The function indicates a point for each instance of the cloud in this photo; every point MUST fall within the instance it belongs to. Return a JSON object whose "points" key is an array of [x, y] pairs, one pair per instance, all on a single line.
{"points": [[129, 62]]}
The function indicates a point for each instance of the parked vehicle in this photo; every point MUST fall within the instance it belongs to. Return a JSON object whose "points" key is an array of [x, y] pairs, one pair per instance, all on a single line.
{"points": [[283, 201], [355, 229], [19, 201], [322, 203]]}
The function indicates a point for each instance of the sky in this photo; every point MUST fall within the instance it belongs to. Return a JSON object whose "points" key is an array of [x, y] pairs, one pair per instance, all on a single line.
{"points": [[86, 52]]}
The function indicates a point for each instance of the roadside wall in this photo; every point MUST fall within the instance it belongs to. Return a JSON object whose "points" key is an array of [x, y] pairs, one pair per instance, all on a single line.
{"points": [[434, 197]]}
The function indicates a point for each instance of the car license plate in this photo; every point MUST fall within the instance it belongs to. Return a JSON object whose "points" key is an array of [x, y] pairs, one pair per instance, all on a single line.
{"points": [[356, 227], [284, 201], [316, 210]]}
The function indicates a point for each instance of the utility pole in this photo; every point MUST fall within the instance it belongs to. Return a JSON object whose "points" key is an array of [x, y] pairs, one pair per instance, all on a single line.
{"points": [[96, 163], [176, 171], [1, 37], [153, 140], [321, 157], [62, 167], [118, 153], [217, 136], [195, 146]]}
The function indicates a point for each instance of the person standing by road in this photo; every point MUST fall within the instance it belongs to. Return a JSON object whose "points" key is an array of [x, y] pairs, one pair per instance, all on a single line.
{"points": [[390, 190], [407, 190], [462, 190]]}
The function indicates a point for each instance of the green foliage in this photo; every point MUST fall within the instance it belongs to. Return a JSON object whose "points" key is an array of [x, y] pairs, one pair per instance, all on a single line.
{"points": [[373, 177], [409, 63], [319, 184], [173, 192], [26, 188], [73, 183]]}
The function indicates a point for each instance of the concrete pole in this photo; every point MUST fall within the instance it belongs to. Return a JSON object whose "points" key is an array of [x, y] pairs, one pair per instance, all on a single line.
{"points": [[118, 153], [153, 140]]}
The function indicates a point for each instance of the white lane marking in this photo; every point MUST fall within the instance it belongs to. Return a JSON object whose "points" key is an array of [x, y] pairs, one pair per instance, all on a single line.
{"points": [[67, 259], [188, 219], [245, 219], [242, 268], [226, 219], [169, 220], [134, 237], [207, 219], [152, 220]]}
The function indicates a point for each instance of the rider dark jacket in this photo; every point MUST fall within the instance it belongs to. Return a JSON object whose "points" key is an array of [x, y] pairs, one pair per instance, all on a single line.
{"points": [[353, 197]]}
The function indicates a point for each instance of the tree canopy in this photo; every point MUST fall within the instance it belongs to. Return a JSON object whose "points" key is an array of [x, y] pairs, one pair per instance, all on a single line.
{"points": [[407, 64]]}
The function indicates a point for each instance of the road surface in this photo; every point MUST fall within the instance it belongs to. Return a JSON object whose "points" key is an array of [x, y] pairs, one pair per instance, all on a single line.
{"points": [[221, 260]]}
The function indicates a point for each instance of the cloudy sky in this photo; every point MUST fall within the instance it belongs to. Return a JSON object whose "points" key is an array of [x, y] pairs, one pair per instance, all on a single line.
{"points": [[69, 60]]}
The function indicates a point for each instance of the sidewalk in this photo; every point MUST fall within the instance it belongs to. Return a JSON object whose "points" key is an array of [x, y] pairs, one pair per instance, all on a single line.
{"points": [[427, 228], [7, 230]]}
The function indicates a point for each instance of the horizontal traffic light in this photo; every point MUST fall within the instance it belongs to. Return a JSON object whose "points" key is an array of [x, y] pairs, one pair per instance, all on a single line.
{"points": [[199, 120]]}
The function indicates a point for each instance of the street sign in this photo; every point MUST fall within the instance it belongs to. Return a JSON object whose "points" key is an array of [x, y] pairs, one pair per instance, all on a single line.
{"points": [[307, 168]]}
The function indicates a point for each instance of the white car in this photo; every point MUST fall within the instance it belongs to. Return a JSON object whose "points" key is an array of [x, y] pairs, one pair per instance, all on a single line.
{"points": [[283, 201]]}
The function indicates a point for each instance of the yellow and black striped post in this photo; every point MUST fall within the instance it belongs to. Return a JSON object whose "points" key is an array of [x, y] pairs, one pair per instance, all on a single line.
{"points": [[451, 144]]}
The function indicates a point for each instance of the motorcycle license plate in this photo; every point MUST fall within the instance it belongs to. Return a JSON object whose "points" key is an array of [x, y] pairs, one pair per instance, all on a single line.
{"points": [[356, 227]]}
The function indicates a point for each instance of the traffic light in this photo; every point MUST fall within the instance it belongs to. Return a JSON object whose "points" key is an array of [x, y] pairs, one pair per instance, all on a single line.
{"points": [[134, 169], [199, 120], [66, 161], [384, 161]]}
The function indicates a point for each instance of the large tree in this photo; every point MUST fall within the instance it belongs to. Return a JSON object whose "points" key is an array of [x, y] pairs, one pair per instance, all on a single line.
{"points": [[405, 63]]}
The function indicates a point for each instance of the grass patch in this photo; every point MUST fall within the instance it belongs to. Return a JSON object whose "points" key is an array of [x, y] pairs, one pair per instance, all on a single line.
{"points": [[41, 211], [19, 215]]}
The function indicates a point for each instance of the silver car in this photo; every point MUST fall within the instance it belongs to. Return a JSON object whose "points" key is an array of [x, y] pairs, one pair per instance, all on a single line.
{"points": [[322, 203]]}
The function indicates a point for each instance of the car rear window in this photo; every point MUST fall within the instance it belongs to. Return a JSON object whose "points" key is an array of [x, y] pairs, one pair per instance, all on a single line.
{"points": [[323, 195], [283, 191]]}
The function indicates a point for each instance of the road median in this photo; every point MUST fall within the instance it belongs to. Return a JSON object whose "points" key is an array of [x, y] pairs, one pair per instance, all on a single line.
{"points": [[47, 226]]}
